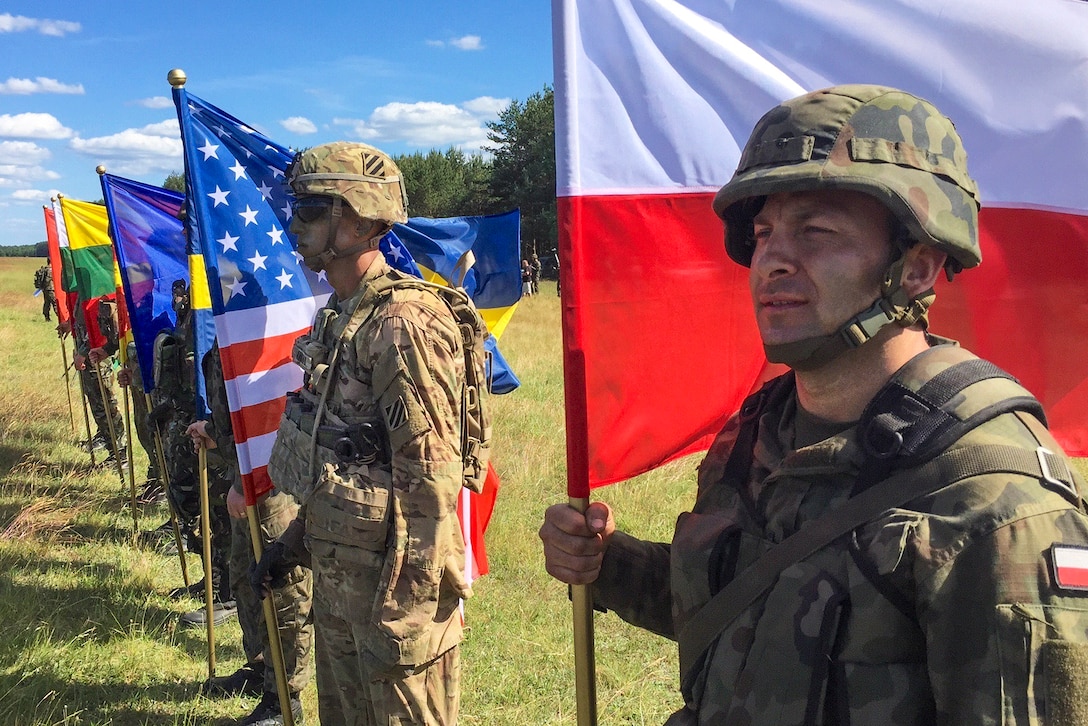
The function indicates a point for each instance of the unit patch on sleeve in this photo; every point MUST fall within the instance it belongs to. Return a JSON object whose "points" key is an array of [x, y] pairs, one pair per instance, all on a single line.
{"points": [[396, 414], [1070, 566]]}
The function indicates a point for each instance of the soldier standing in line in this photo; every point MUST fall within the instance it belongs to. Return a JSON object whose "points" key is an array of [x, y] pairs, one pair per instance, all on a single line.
{"points": [[43, 280], [292, 597], [173, 409], [372, 448], [887, 534], [129, 376], [103, 410]]}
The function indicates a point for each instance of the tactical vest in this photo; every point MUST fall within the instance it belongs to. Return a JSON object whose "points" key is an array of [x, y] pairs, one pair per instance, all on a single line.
{"points": [[763, 642], [310, 436]]}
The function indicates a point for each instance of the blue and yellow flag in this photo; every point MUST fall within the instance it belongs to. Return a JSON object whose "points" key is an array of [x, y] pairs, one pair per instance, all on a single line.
{"points": [[479, 254]]}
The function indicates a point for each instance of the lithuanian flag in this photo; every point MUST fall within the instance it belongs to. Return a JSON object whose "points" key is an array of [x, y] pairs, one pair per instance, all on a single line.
{"points": [[89, 247]]}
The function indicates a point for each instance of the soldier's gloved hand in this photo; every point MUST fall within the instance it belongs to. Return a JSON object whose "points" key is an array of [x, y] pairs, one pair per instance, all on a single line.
{"points": [[159, 415], [278, 559]]}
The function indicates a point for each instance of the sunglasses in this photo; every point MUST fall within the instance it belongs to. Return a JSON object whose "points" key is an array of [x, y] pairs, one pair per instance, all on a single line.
{"points": [[310, 209]]}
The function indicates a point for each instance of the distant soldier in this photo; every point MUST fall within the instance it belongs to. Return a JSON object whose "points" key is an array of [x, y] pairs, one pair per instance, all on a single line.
{"points": [[43, 280], [534, 267]]}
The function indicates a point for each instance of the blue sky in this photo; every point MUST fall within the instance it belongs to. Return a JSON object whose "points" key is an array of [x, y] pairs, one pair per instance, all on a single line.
{"points": [[84, 84]]}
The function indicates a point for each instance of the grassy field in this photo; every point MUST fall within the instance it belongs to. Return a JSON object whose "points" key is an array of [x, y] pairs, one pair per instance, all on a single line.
{"points": [[91, 637]]}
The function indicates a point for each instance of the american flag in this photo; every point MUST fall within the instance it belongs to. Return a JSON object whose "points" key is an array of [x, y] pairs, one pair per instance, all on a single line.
{"points": [[262, 297]]}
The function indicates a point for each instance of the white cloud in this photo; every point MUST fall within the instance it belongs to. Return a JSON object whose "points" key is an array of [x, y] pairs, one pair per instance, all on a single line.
{"points": [[18, 23], [429, 123], [299, 125], [33, 195], [22, 153], [136, 152], [156, 102], [33, 126], [18, 176], [467, 42], [26, 86]]}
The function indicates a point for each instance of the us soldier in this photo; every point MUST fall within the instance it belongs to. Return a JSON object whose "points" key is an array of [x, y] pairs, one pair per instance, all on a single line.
{"points": [[43, 280], [928, 521], [293, 599], [372, 448]]}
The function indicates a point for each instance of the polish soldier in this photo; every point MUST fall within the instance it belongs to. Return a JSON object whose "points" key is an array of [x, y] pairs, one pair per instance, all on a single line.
{"points": [[888, 533]]}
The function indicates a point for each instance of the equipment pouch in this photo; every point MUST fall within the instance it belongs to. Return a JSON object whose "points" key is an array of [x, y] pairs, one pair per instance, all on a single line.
{"points": [[351, 507], [289, 465], [308, 353]]}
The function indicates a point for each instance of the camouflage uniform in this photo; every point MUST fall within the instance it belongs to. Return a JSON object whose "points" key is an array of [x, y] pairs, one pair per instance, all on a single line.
{"points": [[926, 615], [43, 280], [275, 511], [144, 431], [385, 541], [103, 410], [173, 409], [948, 609]]}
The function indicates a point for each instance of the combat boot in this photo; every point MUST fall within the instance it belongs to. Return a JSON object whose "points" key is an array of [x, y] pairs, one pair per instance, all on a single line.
{"points": [[246, 681], [222, 611], [268, 711]]}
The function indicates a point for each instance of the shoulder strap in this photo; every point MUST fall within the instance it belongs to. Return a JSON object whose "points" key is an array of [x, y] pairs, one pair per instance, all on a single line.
{"points": [[952, 466]]}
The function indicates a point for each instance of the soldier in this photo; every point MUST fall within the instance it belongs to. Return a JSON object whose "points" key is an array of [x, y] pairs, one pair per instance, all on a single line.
{"points": [[534, 266], [293, 598], [917, 496], [372, 448], [104, 411], [173, 409], [43, 280], [129, 376]]}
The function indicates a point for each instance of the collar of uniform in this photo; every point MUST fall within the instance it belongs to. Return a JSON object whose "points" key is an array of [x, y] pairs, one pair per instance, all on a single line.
{"points": [[378, 267]]}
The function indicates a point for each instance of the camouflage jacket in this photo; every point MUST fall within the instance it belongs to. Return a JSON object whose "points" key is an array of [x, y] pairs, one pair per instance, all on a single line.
{"points": [[943, 611], [386, 543]]}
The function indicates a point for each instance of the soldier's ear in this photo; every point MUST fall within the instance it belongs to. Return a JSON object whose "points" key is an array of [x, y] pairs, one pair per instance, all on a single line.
{"points": [[921, 267]]}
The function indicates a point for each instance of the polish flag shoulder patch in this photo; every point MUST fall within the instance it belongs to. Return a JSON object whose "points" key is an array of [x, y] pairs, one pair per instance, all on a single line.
{"points": [[1070, 567]]}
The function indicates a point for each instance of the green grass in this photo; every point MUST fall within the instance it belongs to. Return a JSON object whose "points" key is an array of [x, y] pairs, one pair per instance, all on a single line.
{"points": [[90, 635]]}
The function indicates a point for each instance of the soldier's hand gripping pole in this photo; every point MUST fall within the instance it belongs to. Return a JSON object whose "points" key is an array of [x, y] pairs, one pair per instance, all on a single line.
{"points": [[271, 622], [585, 686], [206, 536], [169, 501]]}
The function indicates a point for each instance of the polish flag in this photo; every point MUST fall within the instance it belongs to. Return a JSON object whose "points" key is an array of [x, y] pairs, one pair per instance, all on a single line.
{"points": [[1070, 567], [654, 101]]}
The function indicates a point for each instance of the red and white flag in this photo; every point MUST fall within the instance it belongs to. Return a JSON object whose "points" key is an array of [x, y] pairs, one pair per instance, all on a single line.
{"points": [[654, 101]]}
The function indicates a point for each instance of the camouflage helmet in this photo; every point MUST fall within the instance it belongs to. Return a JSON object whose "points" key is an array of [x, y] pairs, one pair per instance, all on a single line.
{"points": [[881, 141], [362, 176]]}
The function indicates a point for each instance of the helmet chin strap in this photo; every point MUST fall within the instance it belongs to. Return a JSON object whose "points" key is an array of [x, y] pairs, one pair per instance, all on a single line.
{"points": [[893, 306], [318, 261]]}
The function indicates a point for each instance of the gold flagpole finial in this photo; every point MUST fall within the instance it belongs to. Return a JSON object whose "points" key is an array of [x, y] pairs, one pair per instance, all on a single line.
{"points": [[176, 78], [100, 169]]}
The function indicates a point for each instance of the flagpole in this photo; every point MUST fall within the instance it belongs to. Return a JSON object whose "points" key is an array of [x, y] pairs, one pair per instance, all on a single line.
{"points": [[271, 623], [109, 423], [131, 465], [585, 686], [206, 537], [86, 417], [67, 384], [165, 476]]}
